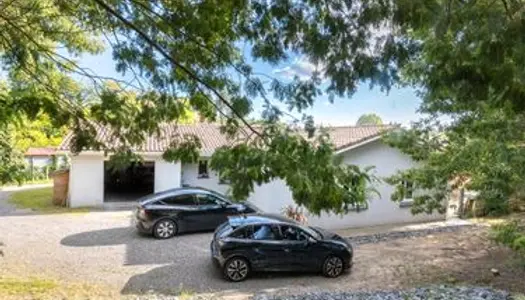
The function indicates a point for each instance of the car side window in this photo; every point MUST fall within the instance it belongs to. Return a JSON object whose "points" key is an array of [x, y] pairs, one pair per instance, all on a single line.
{"points": [[264, 232], [179, 200], [203, 199], [292, 233], [243, 233]]}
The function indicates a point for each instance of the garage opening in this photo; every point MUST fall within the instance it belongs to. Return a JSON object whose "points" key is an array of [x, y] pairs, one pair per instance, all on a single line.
{"points": [[130, 183]]}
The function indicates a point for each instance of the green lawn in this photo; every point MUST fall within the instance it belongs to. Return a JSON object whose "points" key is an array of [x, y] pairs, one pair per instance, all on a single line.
{"points": [[39, 200], [29, 182], [31, 287]]}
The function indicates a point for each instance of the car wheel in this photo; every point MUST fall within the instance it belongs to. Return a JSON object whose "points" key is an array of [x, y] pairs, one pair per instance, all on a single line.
{"points": [[165, 229], [236, 269], [333, 266]]}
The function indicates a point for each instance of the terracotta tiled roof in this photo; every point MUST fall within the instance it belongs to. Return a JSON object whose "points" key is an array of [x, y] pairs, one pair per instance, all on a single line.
{"points": [[45, 151], [347, 136], [211, 137]]}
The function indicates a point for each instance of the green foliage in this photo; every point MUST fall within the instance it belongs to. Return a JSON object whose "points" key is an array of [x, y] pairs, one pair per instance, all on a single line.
{"points": [[483, 154], [464, 57], [369, 119], [318, 180], [468, 69], [38, 133], [122, 159], [511, 234], [12, 164], [183, 148]]}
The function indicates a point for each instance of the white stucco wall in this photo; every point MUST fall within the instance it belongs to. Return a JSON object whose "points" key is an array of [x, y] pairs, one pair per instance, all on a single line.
{"points": [[86, 181], [167, 175], [38, 161], [190, 177], [272, 197], [382, 210], [87, 186]]}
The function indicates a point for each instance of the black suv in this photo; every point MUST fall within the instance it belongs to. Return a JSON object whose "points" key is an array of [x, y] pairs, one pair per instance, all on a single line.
{"points": [[185, 209], [273, 243]]}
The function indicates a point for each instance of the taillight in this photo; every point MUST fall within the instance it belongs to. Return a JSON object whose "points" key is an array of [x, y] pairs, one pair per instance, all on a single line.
{"points": [[143, 213]]}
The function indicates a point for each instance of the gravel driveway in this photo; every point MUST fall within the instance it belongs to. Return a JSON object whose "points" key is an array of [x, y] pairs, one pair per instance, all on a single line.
{"points": [[100, 248]]}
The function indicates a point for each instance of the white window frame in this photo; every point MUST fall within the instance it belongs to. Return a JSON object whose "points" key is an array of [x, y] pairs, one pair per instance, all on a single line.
{"points": [[407, 201], [359, 207], [203, 175]]}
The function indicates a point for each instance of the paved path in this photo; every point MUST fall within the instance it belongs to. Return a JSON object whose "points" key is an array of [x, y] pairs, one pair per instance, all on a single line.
{"points": [[5, 207]]}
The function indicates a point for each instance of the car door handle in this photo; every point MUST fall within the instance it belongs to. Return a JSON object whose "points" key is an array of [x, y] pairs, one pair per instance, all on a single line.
{"points": [[286, 250]]}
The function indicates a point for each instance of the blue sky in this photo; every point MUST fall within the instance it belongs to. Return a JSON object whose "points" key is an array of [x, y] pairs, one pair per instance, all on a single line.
{"points": [[398, 106]]}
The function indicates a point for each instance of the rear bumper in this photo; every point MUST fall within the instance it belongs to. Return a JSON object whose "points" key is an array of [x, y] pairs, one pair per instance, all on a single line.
{"points": [[143, 226]]}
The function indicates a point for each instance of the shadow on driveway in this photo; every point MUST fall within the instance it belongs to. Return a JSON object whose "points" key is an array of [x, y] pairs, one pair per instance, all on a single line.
{"points": [[143, 249], [104, 237], [187, 264], [204, 277]]}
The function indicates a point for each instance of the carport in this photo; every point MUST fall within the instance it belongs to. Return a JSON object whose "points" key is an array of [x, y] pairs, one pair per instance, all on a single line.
{"points": [[129, 183], [92, 183]]}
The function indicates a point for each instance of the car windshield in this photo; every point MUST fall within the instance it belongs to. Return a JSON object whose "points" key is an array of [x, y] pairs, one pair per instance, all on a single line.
{"points": [[219, 195], [223, 230], [319, 234], [253, 206]]}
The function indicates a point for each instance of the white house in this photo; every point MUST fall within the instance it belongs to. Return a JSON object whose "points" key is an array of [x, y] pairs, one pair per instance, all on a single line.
{"points": [[39, 157], [92, 182]]}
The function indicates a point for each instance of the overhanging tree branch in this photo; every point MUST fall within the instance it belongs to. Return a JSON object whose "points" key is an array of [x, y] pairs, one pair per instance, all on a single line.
{"points": [[188, 72]]}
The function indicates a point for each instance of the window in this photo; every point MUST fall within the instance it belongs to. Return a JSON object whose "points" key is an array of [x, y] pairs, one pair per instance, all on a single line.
{"points": [[242, 233], [408, 187], [292, 233], [224, 229], [180, 200], [203, 169], [358, 207], [203, 199], [357, 188], [261, 232], [264, 232], [408, 193]]}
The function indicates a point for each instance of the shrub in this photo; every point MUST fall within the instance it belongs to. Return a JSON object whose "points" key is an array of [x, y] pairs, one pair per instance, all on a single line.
{"points": [[512, 235], [295, 213]]}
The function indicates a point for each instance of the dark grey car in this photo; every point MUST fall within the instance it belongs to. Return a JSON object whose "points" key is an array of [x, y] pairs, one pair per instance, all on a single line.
{"points": [[185, 210], [262, 242]]}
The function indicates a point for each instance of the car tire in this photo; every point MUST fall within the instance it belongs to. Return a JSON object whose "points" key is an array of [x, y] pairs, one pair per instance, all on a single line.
{"points": [[333, 266], [236, 269], [165, 229]]}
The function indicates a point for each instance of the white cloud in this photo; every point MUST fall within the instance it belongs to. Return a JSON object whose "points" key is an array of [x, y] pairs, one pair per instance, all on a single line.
{"points": [[301, 68]]}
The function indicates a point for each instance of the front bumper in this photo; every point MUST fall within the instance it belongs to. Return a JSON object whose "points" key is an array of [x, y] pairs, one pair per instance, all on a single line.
{"points": [[349, 260], [216, 257], [348, 264]]}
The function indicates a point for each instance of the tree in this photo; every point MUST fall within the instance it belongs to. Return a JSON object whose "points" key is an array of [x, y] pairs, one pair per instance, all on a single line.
{"points": [[182, 49], [37, 133], [468, 70], [464, 57], [369, 119]]}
